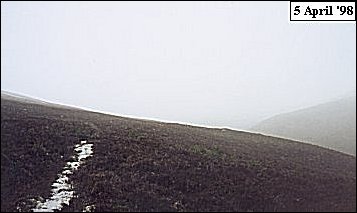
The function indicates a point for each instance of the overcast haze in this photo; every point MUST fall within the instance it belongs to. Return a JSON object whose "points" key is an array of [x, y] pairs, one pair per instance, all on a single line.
{"points": [[214, 63]]}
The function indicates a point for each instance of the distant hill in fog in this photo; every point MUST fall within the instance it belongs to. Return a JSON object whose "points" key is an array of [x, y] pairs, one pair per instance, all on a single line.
{"points": [[332, 125]]}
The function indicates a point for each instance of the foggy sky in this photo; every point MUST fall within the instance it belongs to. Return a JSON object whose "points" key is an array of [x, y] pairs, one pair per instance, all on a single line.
{"points": [[214, 63]]}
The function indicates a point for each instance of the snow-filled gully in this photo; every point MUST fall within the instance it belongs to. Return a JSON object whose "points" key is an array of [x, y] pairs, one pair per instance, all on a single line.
{"points": [[63, 191]]}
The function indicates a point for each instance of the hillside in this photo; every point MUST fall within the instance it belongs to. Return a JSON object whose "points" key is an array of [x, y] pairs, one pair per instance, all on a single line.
{"points": [[25, 99], [142, 165], [331, 125]]}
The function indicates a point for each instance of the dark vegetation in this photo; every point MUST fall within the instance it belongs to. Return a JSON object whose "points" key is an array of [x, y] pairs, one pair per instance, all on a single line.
{"points": [[141, 165]]}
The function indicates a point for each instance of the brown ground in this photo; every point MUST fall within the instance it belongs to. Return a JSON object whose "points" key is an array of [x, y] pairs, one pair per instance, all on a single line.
{"points": [[141, 165]]}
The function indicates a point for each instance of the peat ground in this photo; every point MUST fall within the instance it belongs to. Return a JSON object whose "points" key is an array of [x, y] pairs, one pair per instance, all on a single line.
{"points": [[141, 165]]}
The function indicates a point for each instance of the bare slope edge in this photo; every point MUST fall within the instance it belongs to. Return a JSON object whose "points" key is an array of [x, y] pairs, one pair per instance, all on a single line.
{"points": [[6, 95], [143, 165]]}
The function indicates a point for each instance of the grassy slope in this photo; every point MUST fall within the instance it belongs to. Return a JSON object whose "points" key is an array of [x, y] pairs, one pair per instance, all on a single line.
{"points": [[143, 165]]}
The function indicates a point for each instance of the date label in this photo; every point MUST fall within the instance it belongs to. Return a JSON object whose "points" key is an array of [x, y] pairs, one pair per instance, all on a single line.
{"points": [[322, 11]]}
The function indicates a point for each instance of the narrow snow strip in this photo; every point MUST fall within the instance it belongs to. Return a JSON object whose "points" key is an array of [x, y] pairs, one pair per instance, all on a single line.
{"points": [[62, 191]]}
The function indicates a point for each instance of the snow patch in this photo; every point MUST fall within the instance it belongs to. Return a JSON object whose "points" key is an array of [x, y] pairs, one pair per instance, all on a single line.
{"points": [[62, 191]]}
